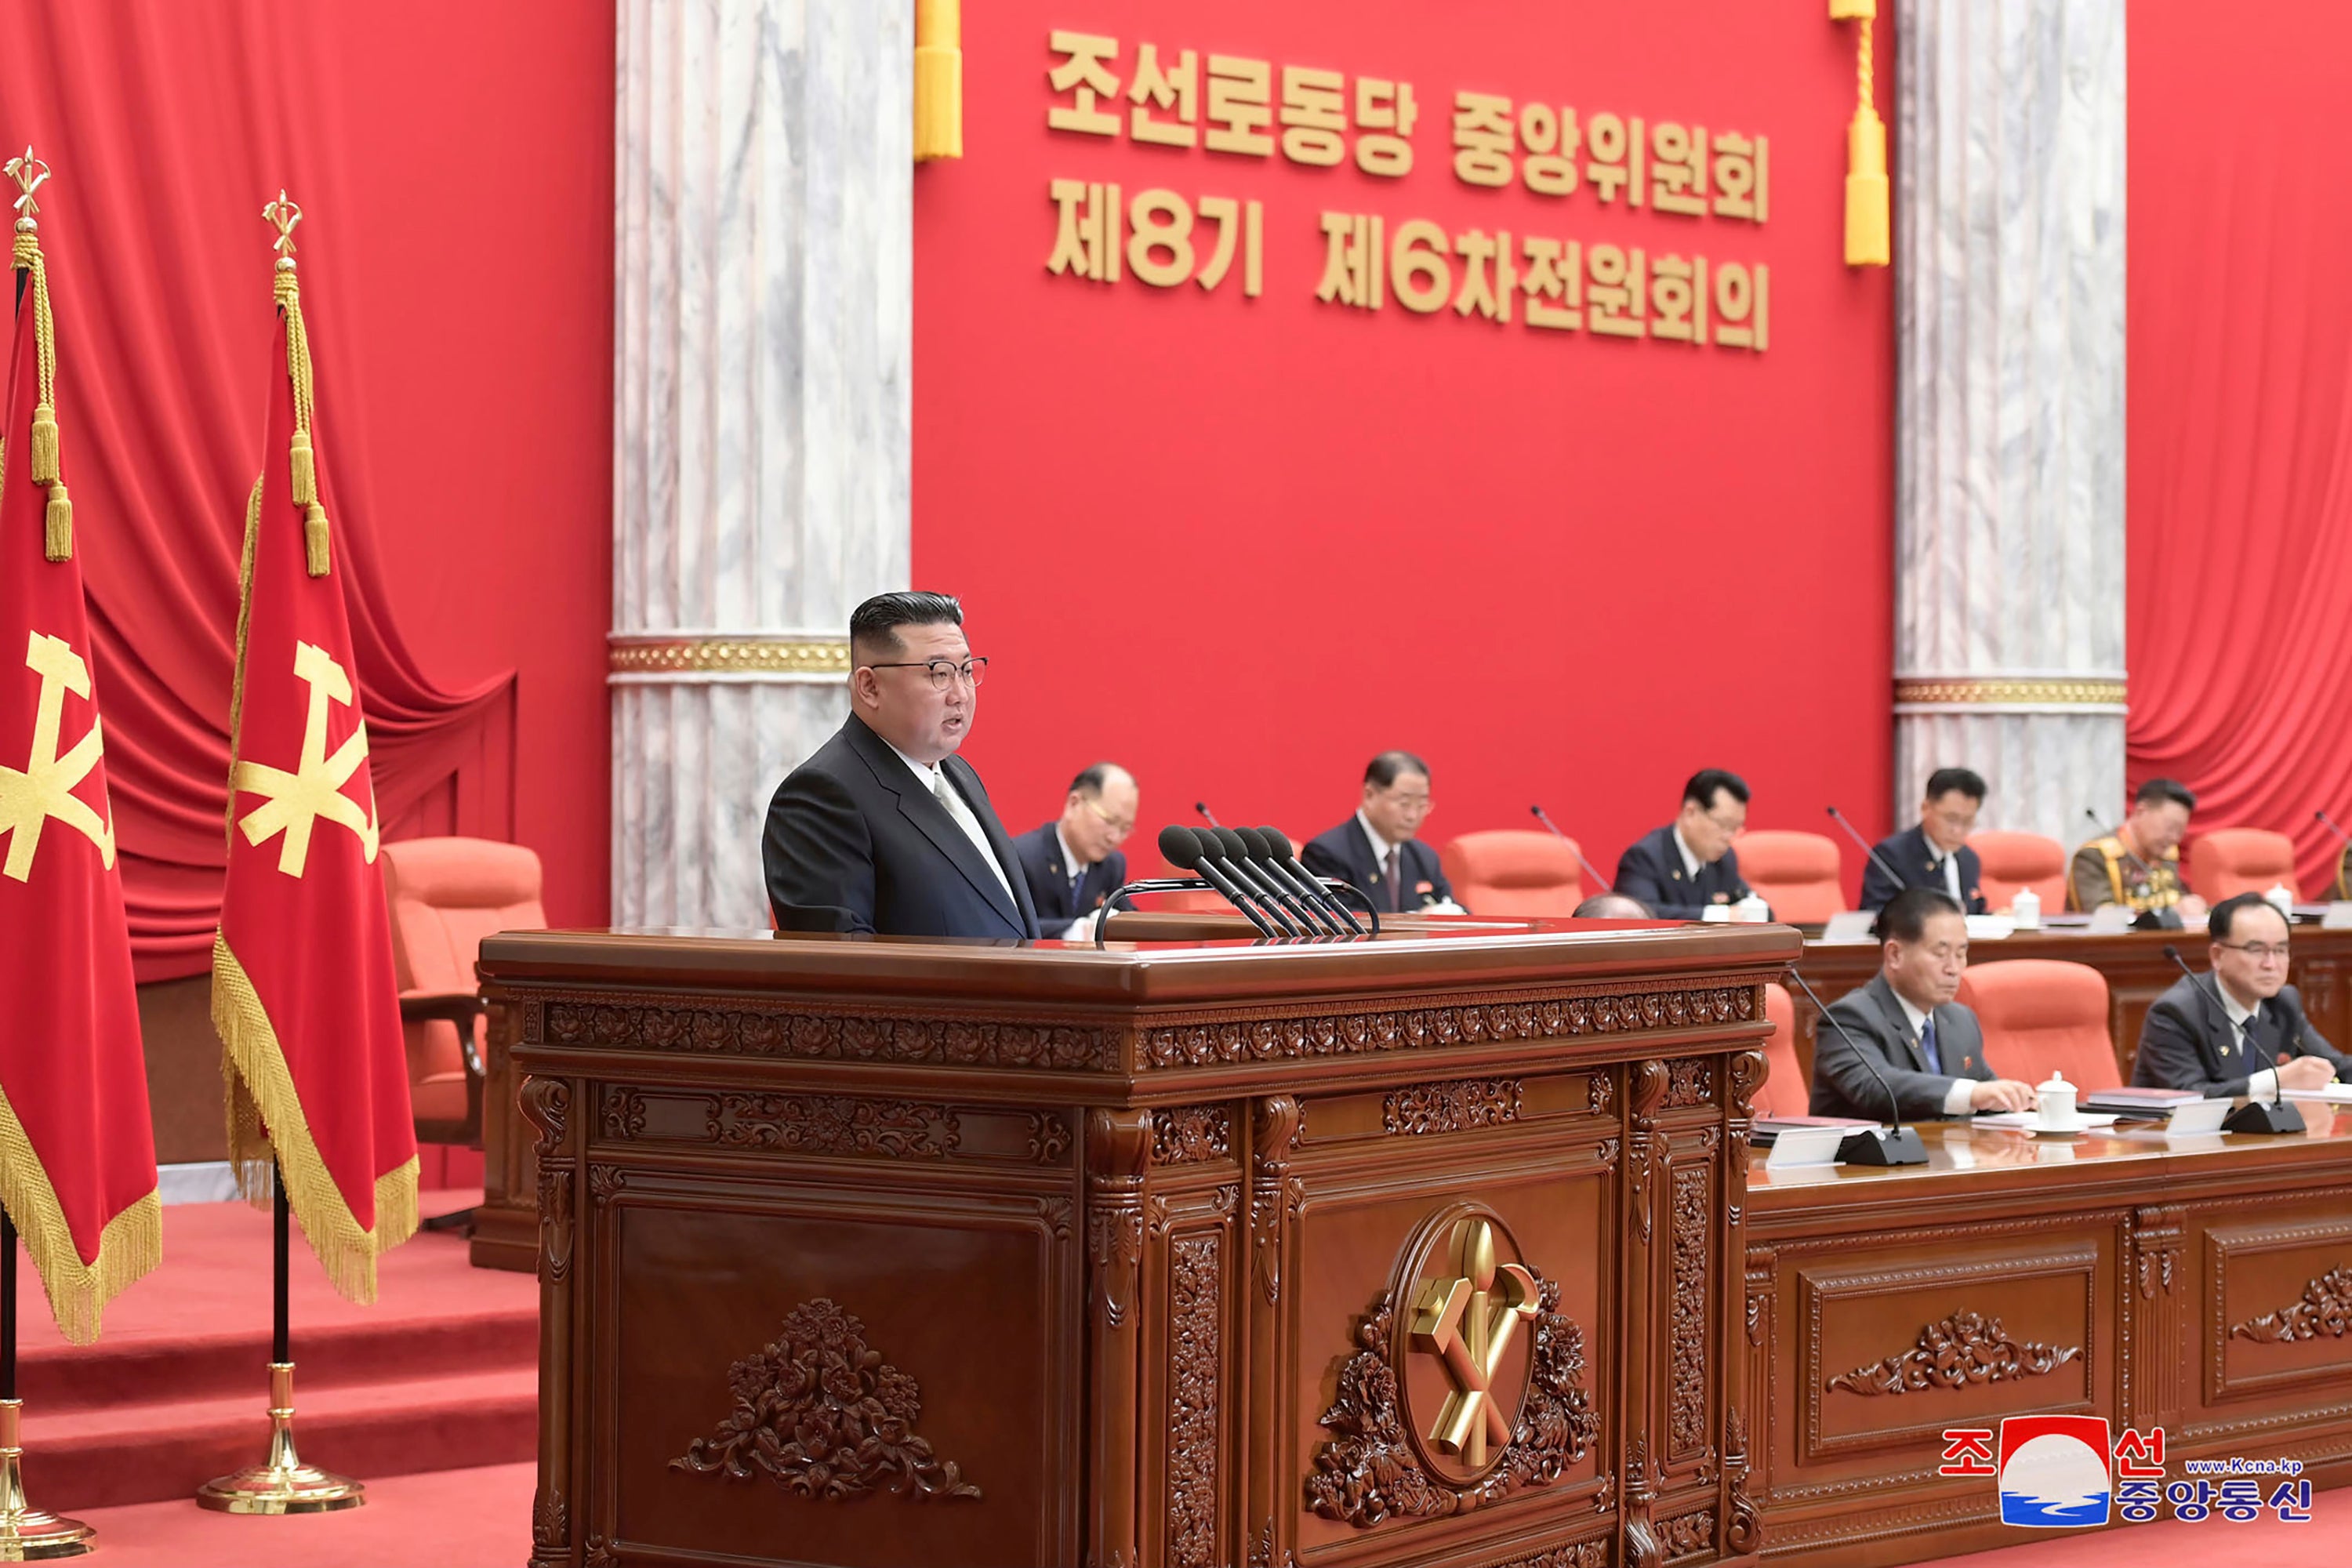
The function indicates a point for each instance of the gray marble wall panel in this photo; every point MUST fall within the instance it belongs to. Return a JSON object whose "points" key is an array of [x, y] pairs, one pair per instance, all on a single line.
{"points": [[2009, 258], [763, 241]]}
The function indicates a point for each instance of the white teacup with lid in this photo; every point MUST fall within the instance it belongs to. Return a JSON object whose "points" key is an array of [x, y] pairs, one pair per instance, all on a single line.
{"points": [[1751, 911], [2056, 1101], [2025, 909]]}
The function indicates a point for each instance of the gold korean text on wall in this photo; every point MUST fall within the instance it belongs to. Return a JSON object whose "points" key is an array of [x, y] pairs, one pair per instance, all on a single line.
{"points": [[1544, 276]]}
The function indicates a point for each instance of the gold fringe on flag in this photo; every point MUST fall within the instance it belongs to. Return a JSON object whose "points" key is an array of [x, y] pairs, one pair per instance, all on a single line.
{"points": [[939, 80], [131, 1244], [1868, 242], [57, 533]]}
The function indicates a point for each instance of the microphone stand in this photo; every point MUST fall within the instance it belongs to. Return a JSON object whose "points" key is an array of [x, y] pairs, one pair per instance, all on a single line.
{"points": [[1871, 1146], [2254, 1116], [1574, 845], [1839, 817]]}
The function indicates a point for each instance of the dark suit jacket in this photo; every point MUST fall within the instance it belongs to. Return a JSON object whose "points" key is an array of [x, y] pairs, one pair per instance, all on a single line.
{"points": [[2188, 1042], [1921, 866], [1344, 852], [1040, 850], [1842, 1085], [1651, 869], [856, 844]]}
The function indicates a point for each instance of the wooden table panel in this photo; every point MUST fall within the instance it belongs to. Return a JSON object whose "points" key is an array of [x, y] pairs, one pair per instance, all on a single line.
{"points": [[2184, 1286]]}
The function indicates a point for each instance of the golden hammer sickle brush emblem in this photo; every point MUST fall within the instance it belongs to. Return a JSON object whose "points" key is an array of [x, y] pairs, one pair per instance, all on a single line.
{"points": [[1469, 1321]]}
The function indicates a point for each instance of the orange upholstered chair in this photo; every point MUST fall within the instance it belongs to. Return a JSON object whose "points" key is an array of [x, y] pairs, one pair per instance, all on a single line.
{"points": [[2008, 861], [2041, 1016], [1511, 871], [1796, 873], [1785, 1090], [2232, 861], [445, 896]]}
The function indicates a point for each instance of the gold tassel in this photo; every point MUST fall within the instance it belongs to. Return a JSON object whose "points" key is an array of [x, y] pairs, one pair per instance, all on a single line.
{"points": [[314, 539], [939, 80], [306, 472], [57, 537], [1868, 238], [45, 445]]}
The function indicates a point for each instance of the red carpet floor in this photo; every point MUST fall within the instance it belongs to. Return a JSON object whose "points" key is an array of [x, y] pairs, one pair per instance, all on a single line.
{"points": [[440, 1374], [444, 1518]]}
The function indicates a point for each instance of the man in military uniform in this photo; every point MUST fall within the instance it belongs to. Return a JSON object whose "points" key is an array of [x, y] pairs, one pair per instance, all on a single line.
{"points": [[2139, 865]]}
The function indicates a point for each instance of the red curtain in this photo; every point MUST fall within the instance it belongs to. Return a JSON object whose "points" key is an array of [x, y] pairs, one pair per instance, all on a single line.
{"points": [[2240, 419], [168, 126]]}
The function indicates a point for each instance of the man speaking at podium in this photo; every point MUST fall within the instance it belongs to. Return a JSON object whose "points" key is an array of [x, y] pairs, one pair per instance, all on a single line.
{"points": [[885, 830]]}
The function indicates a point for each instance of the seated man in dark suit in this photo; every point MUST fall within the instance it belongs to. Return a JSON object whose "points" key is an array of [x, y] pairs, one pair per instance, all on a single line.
{"points": [[885, 830], [2240, 1030], [1928, 1048], [1935, 854], [1074, 863], [1690, 864], [1376, 850]]}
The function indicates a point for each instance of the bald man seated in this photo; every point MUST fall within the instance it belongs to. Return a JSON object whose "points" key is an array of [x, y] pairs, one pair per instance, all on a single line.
{"points": [[1073, 863]]}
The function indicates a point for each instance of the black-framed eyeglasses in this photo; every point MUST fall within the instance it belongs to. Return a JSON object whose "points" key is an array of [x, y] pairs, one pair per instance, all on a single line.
{"points": [[942, 671], [2257, 951]]}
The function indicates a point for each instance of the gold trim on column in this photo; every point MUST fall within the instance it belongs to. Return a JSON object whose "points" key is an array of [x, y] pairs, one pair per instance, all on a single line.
{"points": [[749, 656], [2006, 692]]}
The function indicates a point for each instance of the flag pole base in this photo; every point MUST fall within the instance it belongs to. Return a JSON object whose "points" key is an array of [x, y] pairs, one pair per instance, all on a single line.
{"points": [[284, 1484], [28, 1534]]}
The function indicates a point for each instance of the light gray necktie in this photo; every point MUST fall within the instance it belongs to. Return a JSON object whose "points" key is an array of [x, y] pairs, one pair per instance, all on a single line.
{"points": [[961, 814]]}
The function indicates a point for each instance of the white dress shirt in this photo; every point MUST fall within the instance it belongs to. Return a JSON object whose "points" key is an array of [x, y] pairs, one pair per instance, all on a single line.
{"points": [[1381, 849], [1690, 860], [1073, 870], [2259, 1084], [1957, 1098], [1952, 878], [937, 784]]}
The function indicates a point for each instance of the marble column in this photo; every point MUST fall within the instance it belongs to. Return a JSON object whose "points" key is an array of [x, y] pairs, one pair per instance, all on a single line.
{"points": [[764, 328], [2009, 277]]}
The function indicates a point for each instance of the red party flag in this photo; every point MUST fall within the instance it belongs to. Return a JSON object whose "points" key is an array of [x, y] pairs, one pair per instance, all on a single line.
{"points": [[303, 995], [77, 1148]]}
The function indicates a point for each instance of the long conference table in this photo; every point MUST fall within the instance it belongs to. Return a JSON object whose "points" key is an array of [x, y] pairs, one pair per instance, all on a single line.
{"points": [[1443, 1251]]}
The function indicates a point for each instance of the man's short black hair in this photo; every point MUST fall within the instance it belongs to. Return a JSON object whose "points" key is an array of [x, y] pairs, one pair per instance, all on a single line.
{"points": [[1700, 792], [875, 624], [1383, 770], [2225, 913], [1905, 916], [2157, 792], [1944, 781], [1090, 780]]}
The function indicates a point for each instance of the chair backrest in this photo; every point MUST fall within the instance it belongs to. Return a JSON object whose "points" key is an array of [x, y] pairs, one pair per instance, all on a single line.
{"points": [[2008, 861], [1796, 873], [2041, 1016], [2232, 861], [1785, 1090], [445, 895], [1514, 871]]}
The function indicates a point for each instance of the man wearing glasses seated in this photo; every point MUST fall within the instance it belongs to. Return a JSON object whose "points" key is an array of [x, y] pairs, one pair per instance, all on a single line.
{"points": [[2239, 1030], [885, 829], [1378, 851], [1074, 864], [1687, 865]]}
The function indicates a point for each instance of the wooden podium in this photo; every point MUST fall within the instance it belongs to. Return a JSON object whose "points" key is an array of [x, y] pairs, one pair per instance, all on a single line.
{"points": [[1420, 1251]]}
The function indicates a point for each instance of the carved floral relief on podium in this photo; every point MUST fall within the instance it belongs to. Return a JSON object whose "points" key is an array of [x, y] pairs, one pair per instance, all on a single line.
{"points": [[1964, 1349], [823, 1416], [2325, 1308]]}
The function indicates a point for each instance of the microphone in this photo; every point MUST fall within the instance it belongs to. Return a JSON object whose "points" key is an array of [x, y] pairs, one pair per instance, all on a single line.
{"points": [[1309, 884], [2148, 919], [1899, 1147], [1875, 859], [1212, 854], [1183, 848], [1262, 862], [1206, 815], [2330, 823], [1234, 856], [1572, 843], [2254, 1116]]}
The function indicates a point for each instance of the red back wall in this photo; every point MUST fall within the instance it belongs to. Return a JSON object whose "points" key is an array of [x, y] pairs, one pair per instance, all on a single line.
{"points": [[1243, 544]]}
